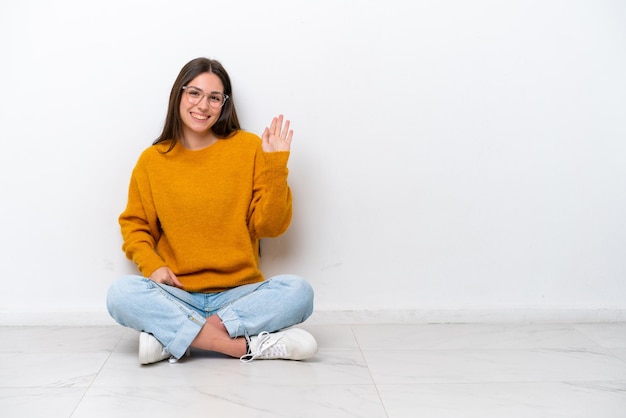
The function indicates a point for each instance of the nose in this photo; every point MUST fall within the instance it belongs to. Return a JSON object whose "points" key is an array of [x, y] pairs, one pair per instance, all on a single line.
{"points": [[203, 103]]}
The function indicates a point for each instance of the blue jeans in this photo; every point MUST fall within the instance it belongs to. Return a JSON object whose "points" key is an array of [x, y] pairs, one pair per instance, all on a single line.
{"points": [[175, 316]]}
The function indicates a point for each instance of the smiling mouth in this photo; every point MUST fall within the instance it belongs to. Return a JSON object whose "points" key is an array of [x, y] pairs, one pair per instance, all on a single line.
{"points": [[198, 116]]}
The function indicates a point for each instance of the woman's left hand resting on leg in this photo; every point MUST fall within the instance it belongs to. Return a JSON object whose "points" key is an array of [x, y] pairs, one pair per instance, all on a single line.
{"points": [[166, 276]]}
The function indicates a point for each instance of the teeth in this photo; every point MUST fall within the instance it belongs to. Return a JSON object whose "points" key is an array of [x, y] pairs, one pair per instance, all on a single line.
{"points": [[201, 117]]}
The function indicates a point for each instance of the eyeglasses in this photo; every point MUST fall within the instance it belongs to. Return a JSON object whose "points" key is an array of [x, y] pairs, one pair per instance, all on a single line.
{"points": [[195, 96]]}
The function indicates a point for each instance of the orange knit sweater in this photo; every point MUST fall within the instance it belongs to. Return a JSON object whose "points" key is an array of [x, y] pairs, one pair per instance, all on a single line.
{"points": [[201, 213]]}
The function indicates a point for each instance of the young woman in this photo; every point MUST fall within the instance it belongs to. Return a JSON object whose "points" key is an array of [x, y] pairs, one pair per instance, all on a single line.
{"points": [[200, 199]]}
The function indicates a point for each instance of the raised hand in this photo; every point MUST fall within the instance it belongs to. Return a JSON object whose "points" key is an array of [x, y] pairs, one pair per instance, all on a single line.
{"points": [[276, 137]]}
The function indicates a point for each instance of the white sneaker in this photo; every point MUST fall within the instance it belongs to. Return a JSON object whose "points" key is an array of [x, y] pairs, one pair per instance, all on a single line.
{"points": [[151, 350], [292, 344]]}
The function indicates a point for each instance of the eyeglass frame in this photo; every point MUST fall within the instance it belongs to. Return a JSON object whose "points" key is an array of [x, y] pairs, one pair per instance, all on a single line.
{"points": [[226, 96]]}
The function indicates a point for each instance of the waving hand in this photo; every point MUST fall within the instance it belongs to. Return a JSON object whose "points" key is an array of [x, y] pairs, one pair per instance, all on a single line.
{"points": [[276, 137]]}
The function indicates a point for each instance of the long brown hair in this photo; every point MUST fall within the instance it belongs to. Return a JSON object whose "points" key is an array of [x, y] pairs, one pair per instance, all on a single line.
{"points": [[227, 122]]}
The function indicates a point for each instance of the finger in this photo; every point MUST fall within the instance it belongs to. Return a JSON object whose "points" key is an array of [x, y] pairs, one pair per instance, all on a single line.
{"points": [[285, 131], [273, 126], [266, 135], [175, 281], [281, 131]]}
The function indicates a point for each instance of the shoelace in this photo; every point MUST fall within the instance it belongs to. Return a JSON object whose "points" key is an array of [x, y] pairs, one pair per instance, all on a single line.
{"points": [[265, 348]]}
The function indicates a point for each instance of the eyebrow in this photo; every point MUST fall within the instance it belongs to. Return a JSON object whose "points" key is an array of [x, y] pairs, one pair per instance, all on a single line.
{"points": [[211, 92]]}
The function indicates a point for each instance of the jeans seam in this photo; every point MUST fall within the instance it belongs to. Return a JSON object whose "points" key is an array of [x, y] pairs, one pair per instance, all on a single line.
{"points": [[189, 313]]}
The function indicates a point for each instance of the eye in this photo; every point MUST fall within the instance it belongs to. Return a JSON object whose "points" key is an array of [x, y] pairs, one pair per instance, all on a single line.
{"points": [[216, 98], [193, 93]]}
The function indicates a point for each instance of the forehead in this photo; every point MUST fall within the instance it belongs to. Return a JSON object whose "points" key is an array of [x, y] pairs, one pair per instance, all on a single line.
{"points": [[207, 82]]}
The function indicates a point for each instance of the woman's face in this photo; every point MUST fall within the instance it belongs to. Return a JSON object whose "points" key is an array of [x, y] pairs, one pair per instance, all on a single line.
{"points": [[201, 116]]}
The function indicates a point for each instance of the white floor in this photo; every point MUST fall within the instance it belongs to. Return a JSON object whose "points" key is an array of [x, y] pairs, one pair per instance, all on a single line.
{"points": [[503, 371]]}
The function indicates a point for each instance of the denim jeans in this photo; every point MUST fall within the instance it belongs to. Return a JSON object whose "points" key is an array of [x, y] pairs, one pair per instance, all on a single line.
{"points": [[175, 316]]}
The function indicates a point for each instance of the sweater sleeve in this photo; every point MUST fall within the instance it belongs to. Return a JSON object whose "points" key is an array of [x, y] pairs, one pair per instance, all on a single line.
{"points": [[271, 207], [139, 225]]}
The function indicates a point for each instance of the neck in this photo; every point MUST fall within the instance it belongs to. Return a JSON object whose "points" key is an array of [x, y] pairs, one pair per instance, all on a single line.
{"points": [[195, 141]]}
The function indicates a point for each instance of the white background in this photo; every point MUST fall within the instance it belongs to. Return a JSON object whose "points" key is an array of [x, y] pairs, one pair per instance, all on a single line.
{"points": [[450, 156]]}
